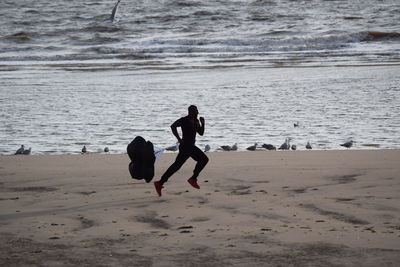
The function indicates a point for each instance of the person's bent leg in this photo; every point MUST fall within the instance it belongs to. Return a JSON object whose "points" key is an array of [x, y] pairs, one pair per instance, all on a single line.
{"points": [[201, 159], [179, 161]]}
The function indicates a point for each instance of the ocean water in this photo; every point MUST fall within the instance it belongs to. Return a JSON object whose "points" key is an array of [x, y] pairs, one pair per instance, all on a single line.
{"points": [[69, 76]]}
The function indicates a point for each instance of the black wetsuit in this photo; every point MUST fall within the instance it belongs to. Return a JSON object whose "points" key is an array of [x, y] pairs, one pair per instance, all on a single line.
{"points": [[188, 149]]}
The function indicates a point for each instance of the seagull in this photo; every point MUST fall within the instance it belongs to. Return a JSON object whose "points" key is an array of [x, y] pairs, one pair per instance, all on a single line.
{"points": [[286, 145], [158, 151], [226, 148], [229, 148], [106, 149], [84, 149], [308, 146], [269, 147], [253, 147], [114, 10], [234, 147], [348, 144], [173, 148], [207, 148], [294, 147], [27, 151], [20, 150]]}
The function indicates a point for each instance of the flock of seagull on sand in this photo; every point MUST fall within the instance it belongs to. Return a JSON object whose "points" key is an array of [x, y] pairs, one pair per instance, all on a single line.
{"points": [[23, 151], [285, 146]]}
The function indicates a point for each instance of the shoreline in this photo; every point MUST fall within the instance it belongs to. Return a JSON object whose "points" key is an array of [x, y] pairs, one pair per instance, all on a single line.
{"points": [[301, 208], [216, 151]]}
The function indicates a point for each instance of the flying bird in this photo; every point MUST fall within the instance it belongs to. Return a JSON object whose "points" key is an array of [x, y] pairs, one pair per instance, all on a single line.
{"points": [[114, 10]]}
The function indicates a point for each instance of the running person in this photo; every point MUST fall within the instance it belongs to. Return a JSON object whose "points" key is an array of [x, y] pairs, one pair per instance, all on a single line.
{"points": [[190, 125]]}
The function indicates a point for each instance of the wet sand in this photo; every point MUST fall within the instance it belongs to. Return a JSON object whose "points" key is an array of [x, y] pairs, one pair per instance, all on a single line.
{"points": [[264, 208]]}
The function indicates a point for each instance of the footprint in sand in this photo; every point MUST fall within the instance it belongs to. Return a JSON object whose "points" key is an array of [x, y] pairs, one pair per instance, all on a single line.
{"points": [[39, 189], [150, 218], [85, 223], [185, 227]]}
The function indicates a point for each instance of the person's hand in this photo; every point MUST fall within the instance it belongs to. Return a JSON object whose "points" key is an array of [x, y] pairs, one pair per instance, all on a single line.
{"points": [[201, 120]]}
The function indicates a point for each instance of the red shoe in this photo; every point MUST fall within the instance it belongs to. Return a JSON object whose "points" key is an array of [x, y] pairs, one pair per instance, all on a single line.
{"points": [[158, 187], [193, 182]]}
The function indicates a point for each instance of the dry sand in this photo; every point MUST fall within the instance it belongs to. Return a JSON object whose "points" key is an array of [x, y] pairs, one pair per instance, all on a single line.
{"points": [[293, 208]]}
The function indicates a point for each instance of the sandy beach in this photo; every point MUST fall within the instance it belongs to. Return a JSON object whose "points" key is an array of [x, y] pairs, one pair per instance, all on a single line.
{"points": [[293, 208]]}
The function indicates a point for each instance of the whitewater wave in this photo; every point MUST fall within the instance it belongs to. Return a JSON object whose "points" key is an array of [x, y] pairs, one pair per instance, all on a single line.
{"points": [[273, 47], [273, 41]]}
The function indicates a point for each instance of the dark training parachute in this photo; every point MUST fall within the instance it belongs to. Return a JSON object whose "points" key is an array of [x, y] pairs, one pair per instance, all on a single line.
{"points": [[142, 156]]}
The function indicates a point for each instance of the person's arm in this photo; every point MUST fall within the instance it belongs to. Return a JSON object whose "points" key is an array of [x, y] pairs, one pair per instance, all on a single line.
{"points": [[201, 128], [174, 129]]}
